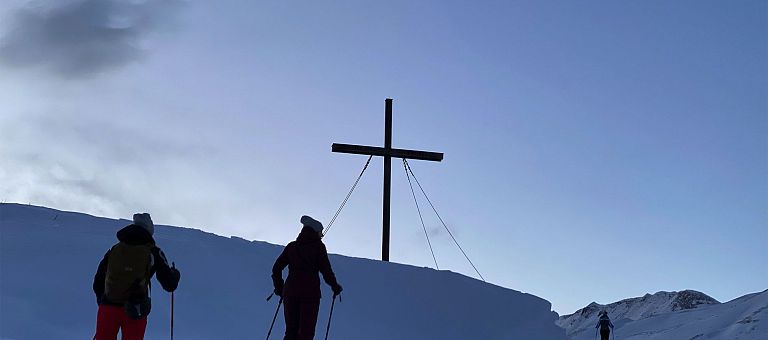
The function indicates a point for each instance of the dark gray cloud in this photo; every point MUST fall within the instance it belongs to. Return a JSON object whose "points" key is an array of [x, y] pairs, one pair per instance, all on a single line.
{"points": [[82, 37]]}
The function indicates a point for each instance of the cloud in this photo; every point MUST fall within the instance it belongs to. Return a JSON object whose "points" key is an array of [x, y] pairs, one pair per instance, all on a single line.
{"points": [[83, 37], [63, 161]]}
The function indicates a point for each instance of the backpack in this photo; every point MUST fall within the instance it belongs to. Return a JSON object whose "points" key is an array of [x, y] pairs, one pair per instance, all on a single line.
{"points": [[127, 278], [605, 324]]}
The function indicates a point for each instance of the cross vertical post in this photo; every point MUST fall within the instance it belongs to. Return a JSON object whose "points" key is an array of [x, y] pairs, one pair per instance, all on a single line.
{"points": [[387, 178], [387, 152]]}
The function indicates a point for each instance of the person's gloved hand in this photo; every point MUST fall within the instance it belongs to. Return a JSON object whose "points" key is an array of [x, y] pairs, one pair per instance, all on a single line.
{"points": [[278, 291], [176, 274], [337, 289]]}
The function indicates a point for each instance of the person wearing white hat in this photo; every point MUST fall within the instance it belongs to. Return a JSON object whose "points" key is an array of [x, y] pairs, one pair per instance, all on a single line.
{"points": [[305, 258], [121, 283]]}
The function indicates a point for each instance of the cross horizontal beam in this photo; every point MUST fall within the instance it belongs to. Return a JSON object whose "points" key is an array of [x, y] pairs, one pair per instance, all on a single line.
{"points": [[390, 152]]}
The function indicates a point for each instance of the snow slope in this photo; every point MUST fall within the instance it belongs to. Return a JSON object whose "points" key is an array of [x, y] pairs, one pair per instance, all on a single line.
{"points": [[48, 258], [682, 315]]}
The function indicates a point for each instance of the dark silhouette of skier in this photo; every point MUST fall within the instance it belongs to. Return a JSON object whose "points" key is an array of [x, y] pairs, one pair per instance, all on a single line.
{"points": [[305, 258], [121, 283], [604, 322]]}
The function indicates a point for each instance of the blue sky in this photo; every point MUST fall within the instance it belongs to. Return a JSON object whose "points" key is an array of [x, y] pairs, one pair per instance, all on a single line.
{"points": [[593, 150]]}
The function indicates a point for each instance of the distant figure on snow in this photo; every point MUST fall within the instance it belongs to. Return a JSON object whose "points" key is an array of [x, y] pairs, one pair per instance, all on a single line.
{"points": [[605, 325], [122, 280], [304, 257]]}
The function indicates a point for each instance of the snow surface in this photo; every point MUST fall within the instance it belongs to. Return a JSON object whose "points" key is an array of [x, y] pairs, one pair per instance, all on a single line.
{"points": [[685, 315], [48, 258]]}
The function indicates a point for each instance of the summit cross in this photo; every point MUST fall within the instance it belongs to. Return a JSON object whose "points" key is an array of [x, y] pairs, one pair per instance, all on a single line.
{"points": [[387, 152]]}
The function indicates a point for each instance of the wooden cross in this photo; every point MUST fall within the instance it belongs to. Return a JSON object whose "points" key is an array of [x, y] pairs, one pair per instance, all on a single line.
{"points": [[387, 152]]}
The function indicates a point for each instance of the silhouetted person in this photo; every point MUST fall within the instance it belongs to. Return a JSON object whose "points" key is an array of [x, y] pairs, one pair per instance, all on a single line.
{"points": [[122, 280], [604, 322], [304, 257]]}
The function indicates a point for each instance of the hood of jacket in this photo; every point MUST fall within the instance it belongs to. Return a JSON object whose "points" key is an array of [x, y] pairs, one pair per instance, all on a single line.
{"points": [[308, 235], [135, 235]]}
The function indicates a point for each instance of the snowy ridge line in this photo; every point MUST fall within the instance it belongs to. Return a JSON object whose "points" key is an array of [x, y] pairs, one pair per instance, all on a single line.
{"points": [[223, 284]]}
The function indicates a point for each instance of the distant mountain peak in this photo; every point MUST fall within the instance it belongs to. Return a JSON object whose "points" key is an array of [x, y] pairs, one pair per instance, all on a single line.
{"points": [[686, 314], [635, 308], [689, 299]]}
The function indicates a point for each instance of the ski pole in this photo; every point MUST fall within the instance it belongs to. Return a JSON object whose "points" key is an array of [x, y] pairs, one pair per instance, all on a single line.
{"points": [[275, 317], [327, 329], [171, 315], [172, 303], [595, 333]]}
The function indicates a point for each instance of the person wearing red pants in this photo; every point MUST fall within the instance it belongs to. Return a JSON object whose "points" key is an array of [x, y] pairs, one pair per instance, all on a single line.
{"points": [[305, 258], [121, 283], [112, 319]]}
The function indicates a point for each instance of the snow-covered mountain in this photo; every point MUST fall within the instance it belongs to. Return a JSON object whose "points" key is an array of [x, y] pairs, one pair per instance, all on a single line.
{"points": [[681, 315], [48, 258], [634, 309]]}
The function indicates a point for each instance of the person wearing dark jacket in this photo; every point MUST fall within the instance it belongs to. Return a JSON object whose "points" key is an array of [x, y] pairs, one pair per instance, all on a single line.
{"points": [[122, 281], [605, 325], [305, 258]]}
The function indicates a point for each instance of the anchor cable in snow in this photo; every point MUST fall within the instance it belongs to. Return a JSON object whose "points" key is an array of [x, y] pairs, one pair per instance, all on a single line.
{"points": [[408, 167], [405, 166], [327, 228]]}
